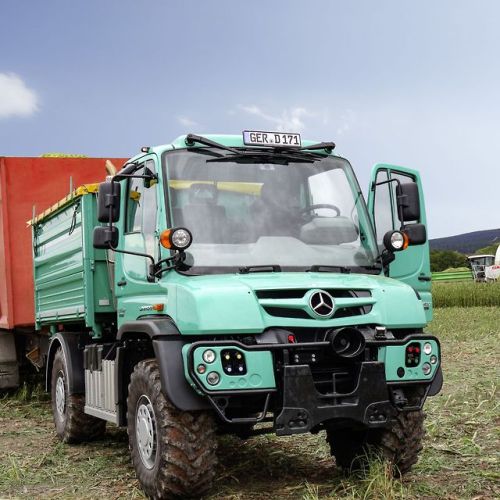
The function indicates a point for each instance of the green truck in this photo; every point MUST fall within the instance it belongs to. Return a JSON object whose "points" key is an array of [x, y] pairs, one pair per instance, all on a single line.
{"points": [[238, 284]]}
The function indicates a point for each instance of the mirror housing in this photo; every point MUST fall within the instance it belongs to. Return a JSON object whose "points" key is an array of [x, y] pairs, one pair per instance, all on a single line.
{"points": [[108, 202], [408, 201], [417, 234], [106, 237]]}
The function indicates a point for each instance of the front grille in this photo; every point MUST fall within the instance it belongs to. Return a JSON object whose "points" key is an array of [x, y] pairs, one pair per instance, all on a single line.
{"points": [[286, 312], [300, 292], [292, 303]]}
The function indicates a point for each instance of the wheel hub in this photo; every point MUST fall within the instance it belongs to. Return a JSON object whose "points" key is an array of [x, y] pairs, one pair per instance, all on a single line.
{"points": [[145, 429], [60, 395]]}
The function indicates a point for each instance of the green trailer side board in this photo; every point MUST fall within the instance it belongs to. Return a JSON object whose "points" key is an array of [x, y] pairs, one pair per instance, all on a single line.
{"points": [[71, 277]]}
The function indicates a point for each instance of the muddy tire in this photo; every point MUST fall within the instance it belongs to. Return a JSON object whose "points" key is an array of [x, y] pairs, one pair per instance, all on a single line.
{"points": [[173, 451], [72, 424], [399, 445]]}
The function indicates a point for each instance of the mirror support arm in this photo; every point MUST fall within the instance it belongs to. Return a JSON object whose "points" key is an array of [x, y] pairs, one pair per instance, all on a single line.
{"points": [[399, 205]]}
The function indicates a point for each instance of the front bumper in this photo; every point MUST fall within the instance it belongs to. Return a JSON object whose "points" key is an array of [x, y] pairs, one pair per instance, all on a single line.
{"points": [[286, 382]]}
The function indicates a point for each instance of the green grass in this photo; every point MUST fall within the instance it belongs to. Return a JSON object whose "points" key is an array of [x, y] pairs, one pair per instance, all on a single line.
{"points": [[459, 460], [465, 294]]}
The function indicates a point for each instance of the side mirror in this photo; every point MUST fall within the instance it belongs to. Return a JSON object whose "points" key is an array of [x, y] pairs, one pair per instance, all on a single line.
{"points": [[105, 237], [408, 201], [417, 234], [108, 202]]}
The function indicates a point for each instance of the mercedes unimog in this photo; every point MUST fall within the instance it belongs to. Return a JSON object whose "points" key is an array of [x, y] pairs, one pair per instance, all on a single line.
{"points": [[238, 284]]}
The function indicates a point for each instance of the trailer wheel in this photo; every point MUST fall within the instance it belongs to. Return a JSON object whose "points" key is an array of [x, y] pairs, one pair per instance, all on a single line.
{"points": [[173, 451], [400, 445], [72, 424]]}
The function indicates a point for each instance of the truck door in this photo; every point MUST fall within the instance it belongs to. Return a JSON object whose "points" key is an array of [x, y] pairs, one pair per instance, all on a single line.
{"points": [[138, 233], [412, 265]]}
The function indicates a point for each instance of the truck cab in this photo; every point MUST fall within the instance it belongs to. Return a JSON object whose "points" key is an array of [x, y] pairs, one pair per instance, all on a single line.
{"points": [[252, 283]]}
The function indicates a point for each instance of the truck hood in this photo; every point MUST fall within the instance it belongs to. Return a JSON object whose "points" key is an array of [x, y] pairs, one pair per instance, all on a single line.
{"points": [[250, 303]]}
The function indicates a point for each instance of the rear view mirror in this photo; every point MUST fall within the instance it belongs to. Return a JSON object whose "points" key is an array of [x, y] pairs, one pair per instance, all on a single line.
{"points": [[108, 202], [105, 237], [417, 234], [408, 201]]}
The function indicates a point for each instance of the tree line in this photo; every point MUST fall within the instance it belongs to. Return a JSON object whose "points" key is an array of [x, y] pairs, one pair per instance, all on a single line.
{"points": [[441, 260]]}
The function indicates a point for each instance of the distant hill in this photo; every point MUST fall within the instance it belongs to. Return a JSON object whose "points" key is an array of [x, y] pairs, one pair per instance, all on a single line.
{"points": [[467, 242]]}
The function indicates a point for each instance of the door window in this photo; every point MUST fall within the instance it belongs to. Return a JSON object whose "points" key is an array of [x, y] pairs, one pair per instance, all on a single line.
{"points": [[142, 209]]}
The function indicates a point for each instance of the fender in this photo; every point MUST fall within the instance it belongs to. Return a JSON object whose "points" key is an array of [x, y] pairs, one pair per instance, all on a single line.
{"points": [[71, 344], [167, 344], [153, 328]]}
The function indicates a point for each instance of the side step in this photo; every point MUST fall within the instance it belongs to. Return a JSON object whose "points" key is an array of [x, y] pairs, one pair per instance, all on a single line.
{"points": [[100, 384]]}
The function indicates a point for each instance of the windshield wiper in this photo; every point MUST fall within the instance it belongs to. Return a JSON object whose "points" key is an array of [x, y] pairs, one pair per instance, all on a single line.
{"points": [[268, 156], [327, 146], [329, 269], [260, 269], [192, 139]]}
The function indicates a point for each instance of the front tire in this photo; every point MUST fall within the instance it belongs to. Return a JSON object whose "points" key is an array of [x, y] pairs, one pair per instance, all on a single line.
{"points": [[72, 424], [399, 445], [173, 451]]}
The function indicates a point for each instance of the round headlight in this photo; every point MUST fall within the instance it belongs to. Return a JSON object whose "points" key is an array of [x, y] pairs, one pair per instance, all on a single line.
{"points": [[209, 356], [180, 238], [213, 378], [395, 241], [177, 239], [427, 348], [426, 368]]}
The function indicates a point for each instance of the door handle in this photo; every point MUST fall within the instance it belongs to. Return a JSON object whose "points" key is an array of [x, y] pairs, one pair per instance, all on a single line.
{"points": [[424, 278], [121, 283]]}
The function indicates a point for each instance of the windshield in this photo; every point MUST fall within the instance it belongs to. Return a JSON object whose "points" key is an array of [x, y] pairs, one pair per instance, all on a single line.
{"points": [[262, 211]]}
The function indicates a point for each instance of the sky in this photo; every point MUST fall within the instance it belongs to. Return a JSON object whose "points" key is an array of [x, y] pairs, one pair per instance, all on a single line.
{"points": [[406, 83]]}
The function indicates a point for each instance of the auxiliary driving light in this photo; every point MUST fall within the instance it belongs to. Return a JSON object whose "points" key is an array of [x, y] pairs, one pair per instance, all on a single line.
{"points": [[395, 241], [176, 239], [427, 348], [434, 359], [426, 368], [209, 356], [201, 369], [213, 378]]}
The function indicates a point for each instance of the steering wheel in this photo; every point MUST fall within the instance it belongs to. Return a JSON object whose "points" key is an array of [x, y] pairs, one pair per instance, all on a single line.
{"points": [[310, 208]]}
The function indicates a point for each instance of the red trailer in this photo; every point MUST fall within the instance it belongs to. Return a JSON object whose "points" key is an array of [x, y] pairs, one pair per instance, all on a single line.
{"points": [[26, 183]]}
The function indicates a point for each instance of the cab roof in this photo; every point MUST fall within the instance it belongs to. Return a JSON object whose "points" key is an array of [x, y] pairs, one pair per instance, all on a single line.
{"points": [[225, 139]]}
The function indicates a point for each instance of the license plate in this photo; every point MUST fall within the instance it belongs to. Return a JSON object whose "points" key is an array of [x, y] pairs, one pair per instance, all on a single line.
{"points": [[274, 139]]}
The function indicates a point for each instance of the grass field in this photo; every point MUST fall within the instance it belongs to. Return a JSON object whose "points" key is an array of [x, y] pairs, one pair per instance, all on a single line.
{"points": [[465, 294], [460, 459]]}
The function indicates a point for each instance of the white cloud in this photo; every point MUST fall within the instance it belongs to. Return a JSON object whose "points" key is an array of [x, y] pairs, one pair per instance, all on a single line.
{"points": [[16, 99], [290, 120], [185, 121]]}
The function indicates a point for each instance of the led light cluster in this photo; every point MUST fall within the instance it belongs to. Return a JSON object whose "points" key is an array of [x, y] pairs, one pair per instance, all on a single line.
{"points": [[233, 362]]}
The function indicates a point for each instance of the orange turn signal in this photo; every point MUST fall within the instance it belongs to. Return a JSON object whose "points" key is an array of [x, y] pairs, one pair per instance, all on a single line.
{"points": [[406, 240], [165, 238], [158, 307]]}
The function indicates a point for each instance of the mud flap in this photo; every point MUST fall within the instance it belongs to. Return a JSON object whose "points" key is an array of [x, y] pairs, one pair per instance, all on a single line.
{"points": [[9, 369]]}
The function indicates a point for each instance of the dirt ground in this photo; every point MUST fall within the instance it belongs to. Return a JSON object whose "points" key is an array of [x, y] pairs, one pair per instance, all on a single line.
{"points": [[460, 458]]}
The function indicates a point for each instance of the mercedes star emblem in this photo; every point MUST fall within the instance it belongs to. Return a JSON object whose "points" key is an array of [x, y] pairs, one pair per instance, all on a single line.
{"points": [[322, 303]]}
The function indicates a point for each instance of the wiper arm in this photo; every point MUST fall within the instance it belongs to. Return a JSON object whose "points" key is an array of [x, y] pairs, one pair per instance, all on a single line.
{"points": [[260, 269], [327, 146], [192, 139], [329, 269]]}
